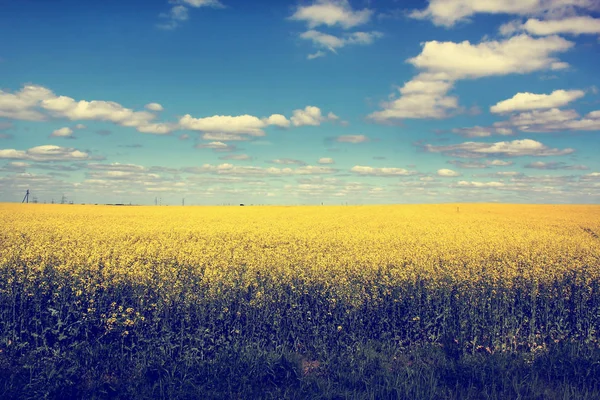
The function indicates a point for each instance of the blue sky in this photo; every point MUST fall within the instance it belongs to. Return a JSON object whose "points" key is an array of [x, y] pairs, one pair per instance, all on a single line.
{"points": [[300, 102]]}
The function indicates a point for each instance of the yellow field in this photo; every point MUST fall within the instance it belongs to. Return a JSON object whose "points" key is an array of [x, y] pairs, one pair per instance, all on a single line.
{"points": [[191, 294], [325, 244]]}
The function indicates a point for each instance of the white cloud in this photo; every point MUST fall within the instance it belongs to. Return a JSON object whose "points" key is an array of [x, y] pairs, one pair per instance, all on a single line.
{"points": [[116, 167], [243, 124], [288, 161], [422, 97], [203, 3], [524, 147], [277, 120], [552, 120], [97, 110], [447, 173], [317, 54], [480, 184], [575, 25], [531, 101], [175, 15], [180, 11], [352, 139], [518, 54], [45, 153], [237, 157], [230, 169], [154, 107], [330, 13], [554, 165], [161, 128], [80, 126], [217, 146], [482, 131], [233, 125], [224, 137], [21, 105], [326, 160], [310, 115], [442, 63], [480, 164], [449, 12], [372, 171], [332, 42], [62, 132]]}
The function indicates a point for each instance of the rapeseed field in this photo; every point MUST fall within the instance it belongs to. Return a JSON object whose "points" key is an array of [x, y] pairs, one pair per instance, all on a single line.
{"points": [[425, 301]]}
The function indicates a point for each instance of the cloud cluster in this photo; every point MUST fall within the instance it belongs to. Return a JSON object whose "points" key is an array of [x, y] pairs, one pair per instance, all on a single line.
{"points": [[180, 12], [311, 116], [372, 171], [443, 63], [45, 153], [65, 132], [230, 169], [555, 165], [515, 148], [352, 139], [447, 173], [449, 12], [530, 101], [575, 25], [333, 13]]}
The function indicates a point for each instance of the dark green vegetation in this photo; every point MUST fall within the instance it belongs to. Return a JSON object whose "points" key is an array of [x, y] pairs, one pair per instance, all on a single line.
{"points": [[253, 336]]}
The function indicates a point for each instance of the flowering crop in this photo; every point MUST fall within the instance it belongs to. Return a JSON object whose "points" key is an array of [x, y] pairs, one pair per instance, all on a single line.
{"points": [[313, 279]]}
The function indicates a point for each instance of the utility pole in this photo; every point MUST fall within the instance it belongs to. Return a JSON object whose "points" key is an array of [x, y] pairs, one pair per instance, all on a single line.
{"points": [[183, 202]]}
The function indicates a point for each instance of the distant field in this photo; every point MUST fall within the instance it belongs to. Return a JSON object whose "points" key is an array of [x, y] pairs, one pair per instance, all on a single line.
{"points": [[152, 301]]}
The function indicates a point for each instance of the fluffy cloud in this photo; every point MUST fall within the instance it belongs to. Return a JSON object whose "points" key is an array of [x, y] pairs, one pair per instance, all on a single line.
{"points": [[231, 127], [161, 128], [531, 101], [480, 184], [203, 3], [311, 115], [482, 131], [288, 161], [519, 54], [524, 147], [480, 164], [552, 120], [180, 12], [230, 169], [216, 146], [447, 173], [45, 153], [330, 13], [442, 63], [422, 97], [326, 160], [238, 157], [116, 167], [575, 25], [224, 137], [154, 107], [449, 12], [333, 43], [554, 165], [352, 139], [372, 171], [66, 107], [21, 105], [63, 132], [243, 124], [277, 120]]}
